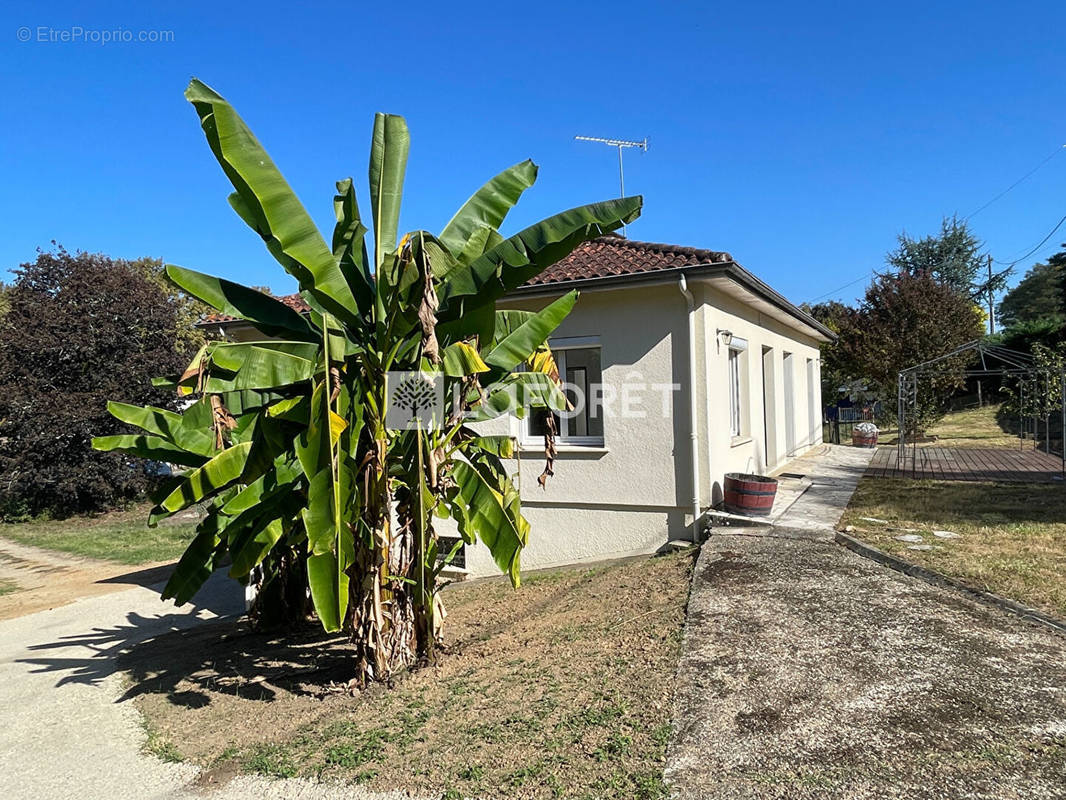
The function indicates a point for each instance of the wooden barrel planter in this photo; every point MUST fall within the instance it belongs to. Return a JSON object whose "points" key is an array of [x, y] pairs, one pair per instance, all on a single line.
{"points": [[863, 439], [750, 495]]}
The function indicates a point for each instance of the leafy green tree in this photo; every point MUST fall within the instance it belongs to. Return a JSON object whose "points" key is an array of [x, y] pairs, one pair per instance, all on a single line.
{"points": [[1037, 297], [909, 318], [287, 441], [953, 257], [81, 329], [840, 359], [5, 302]]}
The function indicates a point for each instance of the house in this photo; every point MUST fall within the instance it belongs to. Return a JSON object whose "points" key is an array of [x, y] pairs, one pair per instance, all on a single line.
{"points": [[686, 366]]}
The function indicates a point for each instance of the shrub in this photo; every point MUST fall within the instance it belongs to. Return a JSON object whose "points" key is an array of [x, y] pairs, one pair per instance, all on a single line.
{"points": [[81, 329]]}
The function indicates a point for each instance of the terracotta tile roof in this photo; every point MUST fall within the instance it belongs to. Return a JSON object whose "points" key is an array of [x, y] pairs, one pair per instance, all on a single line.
{"points": [[599, 258], [293, 301], [613, 255]]}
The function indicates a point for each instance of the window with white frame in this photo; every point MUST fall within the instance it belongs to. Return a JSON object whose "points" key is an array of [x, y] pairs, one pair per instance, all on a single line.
{"points": [[734, 392], [736, 386], [582, 376]]}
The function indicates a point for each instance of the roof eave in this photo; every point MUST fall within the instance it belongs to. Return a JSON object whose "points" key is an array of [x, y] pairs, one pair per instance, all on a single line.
{"points": [[729, 269]]}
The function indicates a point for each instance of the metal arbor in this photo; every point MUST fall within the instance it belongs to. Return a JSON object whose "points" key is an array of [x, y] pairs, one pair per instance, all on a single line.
{"points": [[994, 361]]}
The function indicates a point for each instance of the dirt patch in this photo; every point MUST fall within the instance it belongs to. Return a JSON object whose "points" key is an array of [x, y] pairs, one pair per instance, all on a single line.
{"points": [[562, 688], [37, 579]]}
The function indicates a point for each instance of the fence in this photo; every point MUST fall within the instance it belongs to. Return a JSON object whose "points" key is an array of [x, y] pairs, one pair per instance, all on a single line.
{"points": [[840, 421]]}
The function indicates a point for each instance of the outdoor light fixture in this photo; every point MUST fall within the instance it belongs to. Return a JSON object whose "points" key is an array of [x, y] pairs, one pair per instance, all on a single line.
{"points": [[725, 337]]}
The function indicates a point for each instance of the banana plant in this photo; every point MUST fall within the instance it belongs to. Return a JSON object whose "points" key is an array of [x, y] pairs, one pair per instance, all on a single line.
{"points": [[284, 443]]}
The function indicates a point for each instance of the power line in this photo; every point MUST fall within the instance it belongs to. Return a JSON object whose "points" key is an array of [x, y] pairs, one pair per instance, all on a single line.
{"points": [[1026, 175], [1041, 244], [839, 288]]}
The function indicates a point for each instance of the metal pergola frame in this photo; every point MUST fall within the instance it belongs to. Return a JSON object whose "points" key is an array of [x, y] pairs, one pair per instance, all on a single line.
{"points": [[1013, 363]]}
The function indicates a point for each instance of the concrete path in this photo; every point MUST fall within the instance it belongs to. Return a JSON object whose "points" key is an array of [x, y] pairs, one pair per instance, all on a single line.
{"points": [[810, 672], [63, 731]]}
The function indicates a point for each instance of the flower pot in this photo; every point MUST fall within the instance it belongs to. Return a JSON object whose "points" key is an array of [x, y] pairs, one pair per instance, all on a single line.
{"points": [[749, 495], [863, 439]]}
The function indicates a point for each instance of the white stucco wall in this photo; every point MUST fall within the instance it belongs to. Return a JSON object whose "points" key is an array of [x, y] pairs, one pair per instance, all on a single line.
{"points": [[634, 494]]}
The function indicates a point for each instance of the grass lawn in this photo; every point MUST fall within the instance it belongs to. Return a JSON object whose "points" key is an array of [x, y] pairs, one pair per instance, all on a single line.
{"points": [[970, 427], [562, 688], [120, 536], [973, 427], [1012, 536]]}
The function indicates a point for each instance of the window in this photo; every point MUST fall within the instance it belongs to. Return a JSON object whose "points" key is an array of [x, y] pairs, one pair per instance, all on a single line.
{"points": [[734, 392], [582, 375]]}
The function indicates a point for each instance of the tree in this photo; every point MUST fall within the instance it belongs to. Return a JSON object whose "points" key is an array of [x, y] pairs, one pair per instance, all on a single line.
{"points": [[286, 439], [952, 258], [5, 303], [840, 359], [81, 328], [1037, 297], [906, 319]]}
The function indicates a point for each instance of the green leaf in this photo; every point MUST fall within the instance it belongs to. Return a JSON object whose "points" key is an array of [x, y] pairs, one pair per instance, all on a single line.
{"points": [[194, 566], [520, 344], [269, 316], [461, 359], [154, 420], [154, 448], [218, 473], [196, 433], [517, 392], [329, 590], [349, 245], [267, 203], [486, 209], [482, 510], [280, 478], [388, 163], [254, 549], [500, 446], [260, 366], [529, 252]]}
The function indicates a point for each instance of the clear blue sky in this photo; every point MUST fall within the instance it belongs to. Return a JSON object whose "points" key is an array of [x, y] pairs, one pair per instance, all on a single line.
{"points": [[800, 137]]}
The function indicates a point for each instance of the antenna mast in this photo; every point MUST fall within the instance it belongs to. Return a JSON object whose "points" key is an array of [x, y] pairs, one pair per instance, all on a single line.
{"points": [[619, 143]]}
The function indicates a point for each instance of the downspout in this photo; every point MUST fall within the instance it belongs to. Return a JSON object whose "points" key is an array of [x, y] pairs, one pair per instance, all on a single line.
{"points": [[694, 438]]}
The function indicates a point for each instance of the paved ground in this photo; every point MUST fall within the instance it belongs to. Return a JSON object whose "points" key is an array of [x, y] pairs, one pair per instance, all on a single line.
{"points": [[810, 672], [63, 732]]}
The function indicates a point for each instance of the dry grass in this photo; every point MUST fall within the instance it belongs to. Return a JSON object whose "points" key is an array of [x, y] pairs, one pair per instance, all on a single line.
{"points": [[560, 689], [1012, 535], [120, 536], [973, 427]]}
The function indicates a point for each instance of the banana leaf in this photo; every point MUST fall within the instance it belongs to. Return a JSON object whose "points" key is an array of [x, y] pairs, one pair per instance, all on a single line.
{"points": [[515, 348], [270, 317], [265, 201], [485, 210], [529, 252]]}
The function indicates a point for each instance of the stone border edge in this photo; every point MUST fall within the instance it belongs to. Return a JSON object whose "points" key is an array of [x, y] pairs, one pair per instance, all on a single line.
{"points": [[938, 579]]}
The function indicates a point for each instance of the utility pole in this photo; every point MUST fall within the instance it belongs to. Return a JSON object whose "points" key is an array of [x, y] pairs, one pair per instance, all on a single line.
{"points": [[619, 143], [991, 313]]}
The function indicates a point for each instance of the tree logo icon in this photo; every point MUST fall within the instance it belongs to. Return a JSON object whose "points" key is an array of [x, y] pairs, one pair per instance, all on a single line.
{"points": [[415, 399]]}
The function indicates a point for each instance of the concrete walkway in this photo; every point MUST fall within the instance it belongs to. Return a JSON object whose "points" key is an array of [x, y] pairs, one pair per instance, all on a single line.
{"points": [[63, 732], [810, 672]]}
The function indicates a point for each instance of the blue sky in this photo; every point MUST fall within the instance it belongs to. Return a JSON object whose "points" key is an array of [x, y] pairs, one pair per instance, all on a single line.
{"points": [[799, 137]]}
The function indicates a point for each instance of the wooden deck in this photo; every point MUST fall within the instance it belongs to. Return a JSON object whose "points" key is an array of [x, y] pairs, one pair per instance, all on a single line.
{"points": [[968, 464]]}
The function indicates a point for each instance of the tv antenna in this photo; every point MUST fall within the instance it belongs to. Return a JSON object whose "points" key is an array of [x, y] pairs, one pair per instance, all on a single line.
{"points": [[620, 144]]}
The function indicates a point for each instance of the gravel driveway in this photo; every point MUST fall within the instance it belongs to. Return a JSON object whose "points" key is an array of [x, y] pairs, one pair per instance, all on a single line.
{"points": [[809, 671]]}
